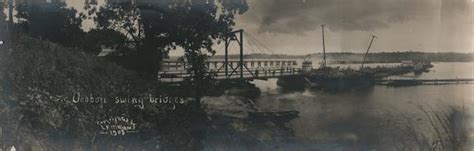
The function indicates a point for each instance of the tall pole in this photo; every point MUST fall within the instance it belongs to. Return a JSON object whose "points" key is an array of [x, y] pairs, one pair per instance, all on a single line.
{"points": [[366, 53], [226, 57], [241, 62], [324, 47]]}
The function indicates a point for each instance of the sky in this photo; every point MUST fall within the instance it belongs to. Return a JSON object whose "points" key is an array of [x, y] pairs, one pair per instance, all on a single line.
{"points": [[294, 26]]}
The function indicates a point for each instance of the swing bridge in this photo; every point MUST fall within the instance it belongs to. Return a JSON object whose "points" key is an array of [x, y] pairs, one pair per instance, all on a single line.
{"points": [[232, 67]]}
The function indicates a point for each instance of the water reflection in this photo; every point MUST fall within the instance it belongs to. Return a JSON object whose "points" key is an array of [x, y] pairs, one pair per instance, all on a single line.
{"points": [[382, 118]]}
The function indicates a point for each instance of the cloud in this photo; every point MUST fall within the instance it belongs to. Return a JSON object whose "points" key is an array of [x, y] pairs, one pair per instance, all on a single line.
{"points": [[300, 16]]}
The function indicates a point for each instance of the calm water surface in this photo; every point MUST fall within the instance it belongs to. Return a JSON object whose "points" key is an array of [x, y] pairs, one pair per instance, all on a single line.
{"points": [[345, 116], [371, 118]]}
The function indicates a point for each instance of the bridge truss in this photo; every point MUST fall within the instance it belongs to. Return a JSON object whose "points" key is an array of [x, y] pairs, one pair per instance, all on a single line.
{"points": [[248, 69]]}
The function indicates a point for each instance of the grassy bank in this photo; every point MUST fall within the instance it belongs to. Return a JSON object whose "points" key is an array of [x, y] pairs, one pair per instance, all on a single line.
{"points": [[40, 81]]}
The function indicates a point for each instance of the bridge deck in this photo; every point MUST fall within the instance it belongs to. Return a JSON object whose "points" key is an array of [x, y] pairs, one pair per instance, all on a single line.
{"points": [[176, 71], [179, 76]]}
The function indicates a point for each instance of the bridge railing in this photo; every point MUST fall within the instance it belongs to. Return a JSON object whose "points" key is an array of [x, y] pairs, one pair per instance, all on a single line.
{"points": [[255, 73], [214, 64]]}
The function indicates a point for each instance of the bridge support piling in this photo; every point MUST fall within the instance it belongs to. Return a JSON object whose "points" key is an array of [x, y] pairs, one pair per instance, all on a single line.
{"points": [[226, 57], [241, 61]]}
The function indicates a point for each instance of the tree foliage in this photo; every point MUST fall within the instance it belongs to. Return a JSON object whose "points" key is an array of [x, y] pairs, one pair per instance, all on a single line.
{"points": [[43, 76], [51, 21], [153, 28]]}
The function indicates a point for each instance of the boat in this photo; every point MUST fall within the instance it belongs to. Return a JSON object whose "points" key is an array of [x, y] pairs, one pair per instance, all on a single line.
{"points": [[418, 67], [340, 79], [337, 79], [428, 64], [329, 78]]}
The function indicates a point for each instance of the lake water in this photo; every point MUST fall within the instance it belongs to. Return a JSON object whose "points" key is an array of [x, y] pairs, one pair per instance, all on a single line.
{"points": [[380, 118]]}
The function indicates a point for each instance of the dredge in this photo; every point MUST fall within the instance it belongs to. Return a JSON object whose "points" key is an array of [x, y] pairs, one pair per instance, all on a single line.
{"points": [[329, 78], [337, 79], [236, 72]]}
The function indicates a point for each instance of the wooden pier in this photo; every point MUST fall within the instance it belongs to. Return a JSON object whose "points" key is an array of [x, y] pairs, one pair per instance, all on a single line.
{"points": [[411, 82]]}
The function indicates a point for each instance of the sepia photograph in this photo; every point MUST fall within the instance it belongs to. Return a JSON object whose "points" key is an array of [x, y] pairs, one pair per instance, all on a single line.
{"points": [[236, 75]]}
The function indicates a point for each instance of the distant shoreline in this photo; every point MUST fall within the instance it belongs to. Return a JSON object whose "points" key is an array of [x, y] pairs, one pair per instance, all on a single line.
{"points": [[380, 57]]}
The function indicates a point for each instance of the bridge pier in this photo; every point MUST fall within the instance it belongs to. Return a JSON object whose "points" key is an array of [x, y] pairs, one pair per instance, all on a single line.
{"points": [[241, 54], [231, 37]]}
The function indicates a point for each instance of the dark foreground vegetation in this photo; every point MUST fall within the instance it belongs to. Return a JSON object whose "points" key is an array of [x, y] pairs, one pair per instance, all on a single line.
{"points": [[40, 78], [52, 59], [38, 82]]}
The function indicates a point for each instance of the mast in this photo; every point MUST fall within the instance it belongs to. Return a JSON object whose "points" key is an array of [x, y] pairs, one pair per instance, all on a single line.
{"points": [[324, 47], [367, 52]]}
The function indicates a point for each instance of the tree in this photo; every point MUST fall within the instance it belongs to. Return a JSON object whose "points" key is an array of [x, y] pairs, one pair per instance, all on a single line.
{"points": [[51, 21], [42, 81], [153, 28]]}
